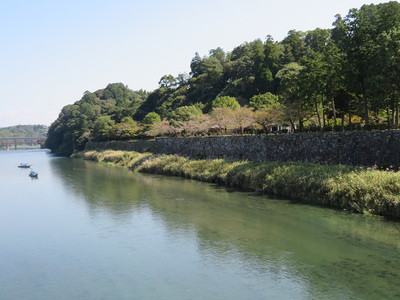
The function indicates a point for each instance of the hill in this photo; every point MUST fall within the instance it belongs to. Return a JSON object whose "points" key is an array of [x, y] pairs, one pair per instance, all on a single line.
{"points": [[342, 78], [24, 131]]}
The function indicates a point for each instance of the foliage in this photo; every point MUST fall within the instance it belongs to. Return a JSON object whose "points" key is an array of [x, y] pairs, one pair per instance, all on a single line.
{"points": [[151, 118], [185, 113], [243, 118], [24, 131], [225, 102], [103, 108], [346, 77], [162, 128], [103, 128], [222, 118], [263, 101], [269, 117], [125, 130]]}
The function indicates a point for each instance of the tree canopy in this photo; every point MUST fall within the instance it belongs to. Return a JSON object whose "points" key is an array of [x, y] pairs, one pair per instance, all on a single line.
{"points": [[345, 77], [24, 131]]}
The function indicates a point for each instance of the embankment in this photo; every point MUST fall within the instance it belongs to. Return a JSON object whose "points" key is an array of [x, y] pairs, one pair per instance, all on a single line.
{"points": [[339, 186], [359, 148]]}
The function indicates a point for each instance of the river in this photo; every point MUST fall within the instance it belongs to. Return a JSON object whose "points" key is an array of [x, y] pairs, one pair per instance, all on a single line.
{"points": [[88, 231]]}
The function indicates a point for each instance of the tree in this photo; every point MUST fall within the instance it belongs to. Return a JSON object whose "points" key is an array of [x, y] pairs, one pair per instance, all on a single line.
{"points": [[222, 118], [274, 54], [164, 128], [152, 118], [185, 113], [225, 102], [127, 129], [385, 84], [207, 80], [168, 81], [387, 79], [65, 131], [367, 37], [312, 81], [245, 70], [359, 29], [182, 79], [296, 108], [294, 46], [219, 54], [269, 117], [71, 130], [317, 39], [195, 65], [243, 118], [103, 128], [118, 92], [198, 124], [262, 101]]}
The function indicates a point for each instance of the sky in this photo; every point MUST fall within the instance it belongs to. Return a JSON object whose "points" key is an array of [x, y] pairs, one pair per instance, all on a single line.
{"points": [[52, 51]]}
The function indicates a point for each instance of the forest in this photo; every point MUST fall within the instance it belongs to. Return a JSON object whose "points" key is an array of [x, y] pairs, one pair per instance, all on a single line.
{"points": [[343, 78], [21, 131]]}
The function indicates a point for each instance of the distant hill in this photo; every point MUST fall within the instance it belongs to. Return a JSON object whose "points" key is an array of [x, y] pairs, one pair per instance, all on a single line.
{"points": [[24, 131]]}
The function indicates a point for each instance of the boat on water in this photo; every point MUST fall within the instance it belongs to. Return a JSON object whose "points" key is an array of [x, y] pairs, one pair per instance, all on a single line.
{"points": [[33, 174], [24, 165]]}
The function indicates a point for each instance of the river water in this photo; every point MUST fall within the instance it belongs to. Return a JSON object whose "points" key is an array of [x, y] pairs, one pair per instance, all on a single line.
{"points": [[87, 231]]}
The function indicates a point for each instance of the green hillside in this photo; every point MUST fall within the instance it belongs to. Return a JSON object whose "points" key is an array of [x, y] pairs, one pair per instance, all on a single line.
{"points": [[342, 78], [24, 131]]}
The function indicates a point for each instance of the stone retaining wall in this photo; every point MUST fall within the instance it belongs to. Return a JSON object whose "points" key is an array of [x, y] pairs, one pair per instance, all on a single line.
{"points": [[364, 148], [137, 146]]}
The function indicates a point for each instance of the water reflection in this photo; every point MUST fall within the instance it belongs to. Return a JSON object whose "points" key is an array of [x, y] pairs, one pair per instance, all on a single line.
{"points": [[277, 248]]}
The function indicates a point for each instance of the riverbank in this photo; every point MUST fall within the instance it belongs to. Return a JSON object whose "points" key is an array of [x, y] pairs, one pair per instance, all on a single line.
{"points": [[356, 148], [343, 187]]}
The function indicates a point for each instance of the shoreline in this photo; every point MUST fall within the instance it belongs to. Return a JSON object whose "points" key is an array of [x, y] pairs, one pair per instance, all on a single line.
{"points": [[342, 187]]}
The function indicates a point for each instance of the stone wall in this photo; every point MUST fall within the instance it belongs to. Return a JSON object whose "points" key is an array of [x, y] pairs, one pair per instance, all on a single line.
{"points": [[137, 146], [364, 148]]}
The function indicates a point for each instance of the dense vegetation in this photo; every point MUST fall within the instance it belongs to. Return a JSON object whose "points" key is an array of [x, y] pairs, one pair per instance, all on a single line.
{"points": [[346, 77], [345, 187], [94, 115], [24, 131]]}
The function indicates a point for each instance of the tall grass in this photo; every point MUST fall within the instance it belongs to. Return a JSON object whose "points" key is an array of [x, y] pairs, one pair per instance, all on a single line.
{"points": [[125, 159], [344, 187]]}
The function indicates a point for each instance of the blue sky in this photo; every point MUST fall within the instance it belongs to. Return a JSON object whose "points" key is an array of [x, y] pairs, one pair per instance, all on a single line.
{"points": [[53, 51]]}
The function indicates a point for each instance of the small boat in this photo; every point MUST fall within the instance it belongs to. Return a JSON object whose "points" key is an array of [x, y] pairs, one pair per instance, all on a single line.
{"points": [[33, 174], [23, 165]]}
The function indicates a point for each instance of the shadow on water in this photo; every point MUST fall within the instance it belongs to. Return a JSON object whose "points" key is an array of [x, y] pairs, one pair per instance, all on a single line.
{"points": [[330, 254]]}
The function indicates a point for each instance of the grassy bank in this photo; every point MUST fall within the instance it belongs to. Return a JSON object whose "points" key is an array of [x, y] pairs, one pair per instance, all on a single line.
{"points": [[344, 187]]}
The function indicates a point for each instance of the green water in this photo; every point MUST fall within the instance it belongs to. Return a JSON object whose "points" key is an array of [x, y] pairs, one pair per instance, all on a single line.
{"points": [[86, 231]]}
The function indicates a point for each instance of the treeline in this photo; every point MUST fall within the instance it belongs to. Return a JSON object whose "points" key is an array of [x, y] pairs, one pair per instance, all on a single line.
{"points": [[24, 131], [324, 79]]}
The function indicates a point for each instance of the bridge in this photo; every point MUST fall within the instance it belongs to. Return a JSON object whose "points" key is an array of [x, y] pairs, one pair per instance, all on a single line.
{"points": [[8, 142]]}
